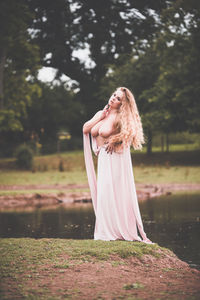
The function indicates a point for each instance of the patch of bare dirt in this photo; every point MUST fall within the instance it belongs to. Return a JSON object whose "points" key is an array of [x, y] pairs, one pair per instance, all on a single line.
{"points": [[131, 278]]}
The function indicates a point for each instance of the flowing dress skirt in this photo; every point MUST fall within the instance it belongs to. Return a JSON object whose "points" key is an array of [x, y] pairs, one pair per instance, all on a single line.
{"points": [[114, 195]]}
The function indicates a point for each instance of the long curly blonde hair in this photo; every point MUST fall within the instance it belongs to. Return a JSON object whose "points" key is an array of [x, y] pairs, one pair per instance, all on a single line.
{"points": [[128, 123]]}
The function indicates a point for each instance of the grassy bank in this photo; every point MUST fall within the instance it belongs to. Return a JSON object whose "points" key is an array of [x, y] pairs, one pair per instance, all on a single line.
{"points": [[25, 259], [142, 174], [160, 167], [88, 269], [74, 160], [37, 251], [48, 177]]}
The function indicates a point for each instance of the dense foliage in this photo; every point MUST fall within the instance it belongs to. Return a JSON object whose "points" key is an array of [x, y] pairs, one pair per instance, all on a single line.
{"points": [[152, 47]]}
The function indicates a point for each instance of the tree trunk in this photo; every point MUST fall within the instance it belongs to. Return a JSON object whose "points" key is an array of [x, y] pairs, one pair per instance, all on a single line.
{"points": [[167, 142], [149, 142], [162, 143], [2, 64], [58, 146]]}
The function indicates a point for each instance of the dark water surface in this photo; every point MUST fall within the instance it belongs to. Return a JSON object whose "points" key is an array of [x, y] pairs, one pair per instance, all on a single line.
{"points": [[171, 221]]}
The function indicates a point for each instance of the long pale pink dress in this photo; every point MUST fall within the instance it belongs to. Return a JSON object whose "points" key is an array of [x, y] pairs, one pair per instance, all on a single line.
{"points": [[114, 195]]}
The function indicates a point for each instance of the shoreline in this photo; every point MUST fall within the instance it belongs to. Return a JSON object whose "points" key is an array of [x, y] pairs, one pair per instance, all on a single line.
{"points": [[37, 199], [88, 269]]}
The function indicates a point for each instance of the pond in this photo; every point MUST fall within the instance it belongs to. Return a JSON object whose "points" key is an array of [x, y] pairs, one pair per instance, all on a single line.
{"points": [[171, 221]]}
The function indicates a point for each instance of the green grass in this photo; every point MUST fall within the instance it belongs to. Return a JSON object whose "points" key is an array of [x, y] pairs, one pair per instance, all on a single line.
{"points": [[175, 158], [159, 167], [15, 177], [180, 147], [142, 174], [136, 285], [176, 174], [74, 160], [37, 251]]}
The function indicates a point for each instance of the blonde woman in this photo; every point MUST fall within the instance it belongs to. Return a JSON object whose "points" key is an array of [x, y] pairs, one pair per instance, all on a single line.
{"points": [[113, 130]]}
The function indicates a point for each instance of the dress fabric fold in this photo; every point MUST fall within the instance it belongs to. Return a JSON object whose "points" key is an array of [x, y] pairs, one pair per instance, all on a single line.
{"points": [[113, 194]]}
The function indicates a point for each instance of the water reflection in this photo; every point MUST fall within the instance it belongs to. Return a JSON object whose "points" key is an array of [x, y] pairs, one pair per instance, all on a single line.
{"points": [[174, 222], [72, 221], [171, 221]]}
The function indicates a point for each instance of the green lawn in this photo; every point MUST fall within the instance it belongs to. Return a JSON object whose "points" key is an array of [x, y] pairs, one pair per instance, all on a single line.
{"points": [[147, 174], [180, 147], [49, 177], [160, 167], [182, 155]]}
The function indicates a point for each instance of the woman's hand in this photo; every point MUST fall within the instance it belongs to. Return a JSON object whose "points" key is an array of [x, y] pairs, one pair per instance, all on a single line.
{"points": [[104, 112], [110, 148], [113, 147]]}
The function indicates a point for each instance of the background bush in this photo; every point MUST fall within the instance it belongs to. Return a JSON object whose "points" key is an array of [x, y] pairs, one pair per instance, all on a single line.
{"points": [[24, 157]]}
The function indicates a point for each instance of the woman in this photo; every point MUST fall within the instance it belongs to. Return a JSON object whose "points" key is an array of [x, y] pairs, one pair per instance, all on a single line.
{"points": [[113, 130]]}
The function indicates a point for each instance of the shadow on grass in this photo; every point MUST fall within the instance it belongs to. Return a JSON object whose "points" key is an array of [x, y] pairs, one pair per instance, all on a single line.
{"points": [[181, 158], [76, 161]]}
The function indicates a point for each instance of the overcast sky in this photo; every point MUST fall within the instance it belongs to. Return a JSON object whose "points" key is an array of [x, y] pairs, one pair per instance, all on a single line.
{"points": [[47, 74]]}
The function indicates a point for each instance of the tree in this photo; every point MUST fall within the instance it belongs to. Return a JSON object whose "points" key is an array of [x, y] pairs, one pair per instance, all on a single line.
{"points": [[53, 111], [139, 74], [107, 28], [19, 60], [178, 86], [165, 79]]}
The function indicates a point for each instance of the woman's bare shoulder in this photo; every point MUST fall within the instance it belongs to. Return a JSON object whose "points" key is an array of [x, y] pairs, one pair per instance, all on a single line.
{"points": [[98, 113]]}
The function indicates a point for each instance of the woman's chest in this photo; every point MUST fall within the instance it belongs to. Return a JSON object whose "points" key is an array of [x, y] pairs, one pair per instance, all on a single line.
{"points": [[105, 126]]}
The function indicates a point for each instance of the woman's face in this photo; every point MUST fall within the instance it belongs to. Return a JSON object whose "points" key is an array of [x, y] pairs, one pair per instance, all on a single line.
{"points": [[115, 100]]}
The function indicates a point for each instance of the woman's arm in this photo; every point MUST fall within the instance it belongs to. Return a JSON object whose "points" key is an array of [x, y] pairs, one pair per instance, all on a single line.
{"points": [[97, 117], [100, 115]]}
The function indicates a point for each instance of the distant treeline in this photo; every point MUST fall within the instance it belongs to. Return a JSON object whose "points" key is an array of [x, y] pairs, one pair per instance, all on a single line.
{"points": [[151, 47]]}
